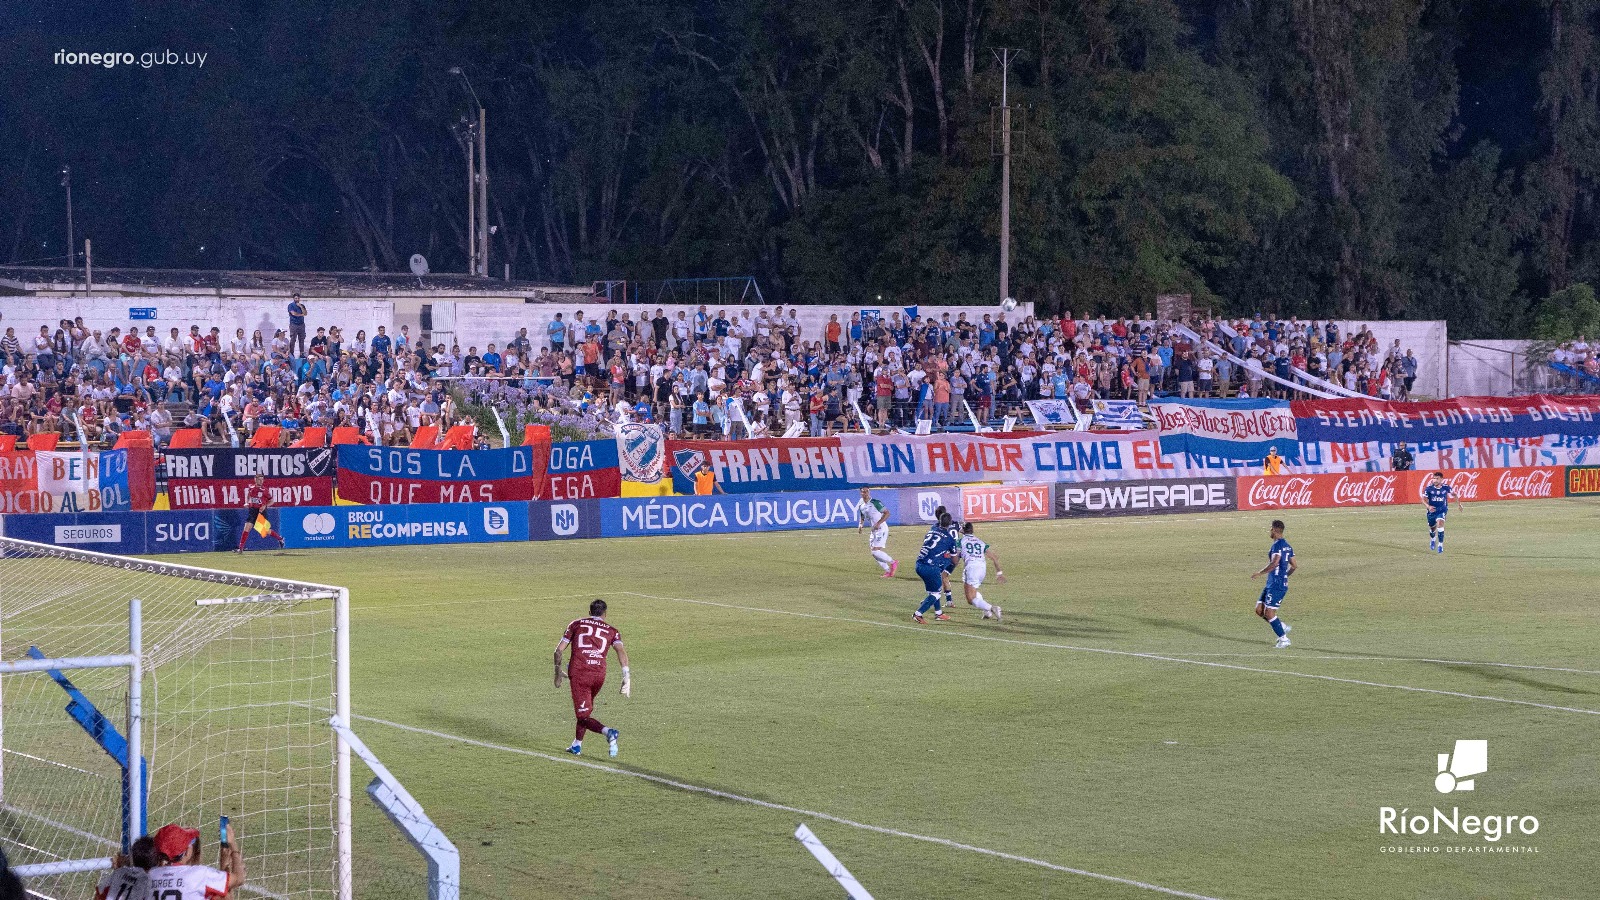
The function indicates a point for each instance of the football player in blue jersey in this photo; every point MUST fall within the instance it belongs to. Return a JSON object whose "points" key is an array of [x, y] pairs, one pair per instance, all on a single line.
{"points": [[1280, 565], [937, 549], [1436, 496]]}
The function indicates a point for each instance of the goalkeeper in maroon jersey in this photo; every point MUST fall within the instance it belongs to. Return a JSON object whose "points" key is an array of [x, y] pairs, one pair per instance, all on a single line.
{"points": [[590, 638]]}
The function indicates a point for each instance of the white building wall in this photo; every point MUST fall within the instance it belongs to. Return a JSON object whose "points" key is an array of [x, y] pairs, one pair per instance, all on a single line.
{"points": [[26, 314]]}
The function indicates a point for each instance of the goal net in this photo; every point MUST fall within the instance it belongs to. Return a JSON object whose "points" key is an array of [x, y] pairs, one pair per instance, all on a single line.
{"points": [[240, 676]]}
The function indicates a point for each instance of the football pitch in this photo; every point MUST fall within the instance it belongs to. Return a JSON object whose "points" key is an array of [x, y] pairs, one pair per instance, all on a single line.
{"points": [[1128, 731]]}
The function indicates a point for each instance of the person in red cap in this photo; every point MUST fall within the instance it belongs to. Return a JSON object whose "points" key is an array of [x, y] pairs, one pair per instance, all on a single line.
{"points": [[180, 875]]}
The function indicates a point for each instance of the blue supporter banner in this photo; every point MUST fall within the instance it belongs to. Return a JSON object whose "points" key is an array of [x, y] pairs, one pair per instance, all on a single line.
{"points": [[1227, 429], [419, 523], [442, 465], [724, 514]]}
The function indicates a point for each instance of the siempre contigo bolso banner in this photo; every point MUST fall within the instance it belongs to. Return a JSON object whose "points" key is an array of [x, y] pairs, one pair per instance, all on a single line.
{"points": [[1143, 498], [216, 479]]}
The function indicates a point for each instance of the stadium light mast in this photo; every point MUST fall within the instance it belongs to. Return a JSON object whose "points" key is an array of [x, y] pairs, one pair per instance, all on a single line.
{"points": [[480, 181], [66, 182], [1005, 55]]}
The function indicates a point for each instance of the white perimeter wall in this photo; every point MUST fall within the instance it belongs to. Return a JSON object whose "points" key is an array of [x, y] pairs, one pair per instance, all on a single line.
{"points": [[26, 314], [1489, 369], [1428, 340], [477, 324]]}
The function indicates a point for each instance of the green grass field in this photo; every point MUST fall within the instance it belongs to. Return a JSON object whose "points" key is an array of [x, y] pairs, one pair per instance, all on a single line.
{"points": [[1129, 720]]}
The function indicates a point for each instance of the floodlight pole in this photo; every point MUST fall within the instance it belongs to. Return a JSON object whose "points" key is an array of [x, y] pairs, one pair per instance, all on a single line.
{"points": [[478, 183], [1006, 55], [66, 182]]}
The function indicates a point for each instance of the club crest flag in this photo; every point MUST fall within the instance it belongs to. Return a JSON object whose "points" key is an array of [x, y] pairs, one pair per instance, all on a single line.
{"points": [[641, 451]]}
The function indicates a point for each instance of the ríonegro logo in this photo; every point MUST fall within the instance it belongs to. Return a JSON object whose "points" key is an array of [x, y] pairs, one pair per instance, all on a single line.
{"points": [[564, 519], [927, 502], [496, 520], [317, 523], [1457, 772], [1470, 758]]}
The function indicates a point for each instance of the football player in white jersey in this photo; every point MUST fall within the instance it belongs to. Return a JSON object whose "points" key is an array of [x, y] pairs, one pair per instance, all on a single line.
{"points": [[180, 875], [130, 880], [975, 556], [872, 512]]}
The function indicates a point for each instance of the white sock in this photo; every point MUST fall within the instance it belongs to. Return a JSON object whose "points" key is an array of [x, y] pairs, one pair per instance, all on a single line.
{"points": [[883, 558], [980, 603]]}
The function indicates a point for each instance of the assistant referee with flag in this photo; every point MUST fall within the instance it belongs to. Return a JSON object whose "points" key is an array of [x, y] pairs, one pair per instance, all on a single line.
{"points": [[256, 502]]}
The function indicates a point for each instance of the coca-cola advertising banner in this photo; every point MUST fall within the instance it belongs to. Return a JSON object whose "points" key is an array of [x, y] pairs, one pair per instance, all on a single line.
{"points": [[216, 479], [996, 503], [1142, 498], [1384, 488]]}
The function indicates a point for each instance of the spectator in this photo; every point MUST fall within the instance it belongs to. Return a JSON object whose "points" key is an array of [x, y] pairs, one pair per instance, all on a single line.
{"points": [[179, 876], [297, 322]]}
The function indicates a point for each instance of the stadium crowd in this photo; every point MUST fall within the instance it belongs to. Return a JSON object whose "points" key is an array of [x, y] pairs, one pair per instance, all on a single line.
{"points": [[684, 371]]}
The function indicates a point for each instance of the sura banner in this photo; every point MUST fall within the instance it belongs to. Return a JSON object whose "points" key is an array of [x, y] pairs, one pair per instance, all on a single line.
{"points": [[1457, 419], [1384, 488], [582, 470], [397, 475], [720, 514], [216, 479], [421, 523], [998, 503], [1238, 429], [126, 533], [1143, 498], [60, 482]]}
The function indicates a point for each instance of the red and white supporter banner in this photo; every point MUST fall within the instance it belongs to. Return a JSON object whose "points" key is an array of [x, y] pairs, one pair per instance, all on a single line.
{"points": [[1386, 488]]}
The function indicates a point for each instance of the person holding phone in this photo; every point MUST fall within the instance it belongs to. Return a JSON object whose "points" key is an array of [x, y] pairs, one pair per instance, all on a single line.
{"points": [[180, 875]]}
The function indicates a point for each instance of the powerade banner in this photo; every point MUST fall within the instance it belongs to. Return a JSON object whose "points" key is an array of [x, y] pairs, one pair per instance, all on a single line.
{"points": [[1143, 498], [421, 523], [53, 481], [1239, 429], [583, 470], [1461, 418], [395, 475], [216, 479], [719, 514]]}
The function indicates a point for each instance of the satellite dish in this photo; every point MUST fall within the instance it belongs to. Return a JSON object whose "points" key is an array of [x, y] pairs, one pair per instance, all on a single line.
{"points": [[419, 264]]}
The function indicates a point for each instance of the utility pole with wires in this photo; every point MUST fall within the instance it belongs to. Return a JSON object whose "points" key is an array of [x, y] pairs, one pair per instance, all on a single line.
{"points": [[1005, 55], [66, 182], [475, 137]]}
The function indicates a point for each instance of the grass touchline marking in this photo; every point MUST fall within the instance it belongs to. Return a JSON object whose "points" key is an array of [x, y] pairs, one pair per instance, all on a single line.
{"points": [[780, 807], [1130, 653], [1406, 659]]}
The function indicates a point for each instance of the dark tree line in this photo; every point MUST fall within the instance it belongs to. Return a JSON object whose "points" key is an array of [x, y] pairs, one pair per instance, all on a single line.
{"points": [[1359, 157]]}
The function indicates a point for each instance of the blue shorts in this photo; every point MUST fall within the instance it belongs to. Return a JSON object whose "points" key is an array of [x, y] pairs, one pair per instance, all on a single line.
{"points": [[1272, 595], [931, 579], [1436, 516]]}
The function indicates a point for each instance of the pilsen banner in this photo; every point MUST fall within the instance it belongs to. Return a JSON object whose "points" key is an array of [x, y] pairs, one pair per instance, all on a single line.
{"points": [[216, 479], [1386, 488], [401, 475]]}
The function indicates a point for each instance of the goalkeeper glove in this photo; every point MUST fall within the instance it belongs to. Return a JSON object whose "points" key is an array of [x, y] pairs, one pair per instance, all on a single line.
{"points": [[627, 687]]}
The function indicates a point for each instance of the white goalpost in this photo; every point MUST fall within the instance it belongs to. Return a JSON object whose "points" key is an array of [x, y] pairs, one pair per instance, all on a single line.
{"points": [[135, 693]]}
